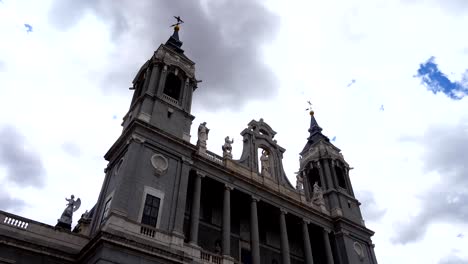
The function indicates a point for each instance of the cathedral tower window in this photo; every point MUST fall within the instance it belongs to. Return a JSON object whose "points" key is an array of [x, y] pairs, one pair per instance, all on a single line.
{"points": [[151, 210], [314, 176], [172, 86], [341, 177]]}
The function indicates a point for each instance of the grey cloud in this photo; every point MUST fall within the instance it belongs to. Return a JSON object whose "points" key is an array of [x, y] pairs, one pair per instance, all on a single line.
{"points": [[447, 201], [23, 165], [224, 38], [8, 203], [369, 207], [453, 260], [71, 149]]}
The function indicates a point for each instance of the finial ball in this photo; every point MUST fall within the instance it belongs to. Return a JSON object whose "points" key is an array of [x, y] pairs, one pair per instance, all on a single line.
{"points": [[311, 112], [176, 27]]}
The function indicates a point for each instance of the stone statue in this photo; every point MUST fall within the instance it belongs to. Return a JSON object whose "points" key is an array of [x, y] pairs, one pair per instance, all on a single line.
{"points": [[317, 197], [265, 161], [227, 148], [65, 220], [299, 181], [202, 136]]}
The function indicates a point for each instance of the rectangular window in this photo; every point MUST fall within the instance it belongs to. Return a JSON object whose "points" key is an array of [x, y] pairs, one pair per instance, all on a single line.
{"points": [[151, 210], [105, 212]]}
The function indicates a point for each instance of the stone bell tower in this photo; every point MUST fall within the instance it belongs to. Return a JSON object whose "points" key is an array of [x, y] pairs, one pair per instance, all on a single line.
{"points": [[322, 164], [163, 90], [147, 174]]}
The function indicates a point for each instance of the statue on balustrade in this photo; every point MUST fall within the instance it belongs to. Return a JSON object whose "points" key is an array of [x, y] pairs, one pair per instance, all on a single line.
{"points": [[227, 148], [65, 220], [202, 136]]}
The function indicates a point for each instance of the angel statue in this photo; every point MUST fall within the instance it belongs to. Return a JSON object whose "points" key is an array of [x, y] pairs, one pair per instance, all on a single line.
{"points": [[73, 205], [227, 147]]}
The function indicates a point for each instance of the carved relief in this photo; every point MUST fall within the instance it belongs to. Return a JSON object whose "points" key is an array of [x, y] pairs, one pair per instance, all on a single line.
{"points": [[160, 163], [359, 250]]}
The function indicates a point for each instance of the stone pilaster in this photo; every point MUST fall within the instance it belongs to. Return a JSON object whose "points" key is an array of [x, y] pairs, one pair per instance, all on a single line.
{"points": [[182, 198]]}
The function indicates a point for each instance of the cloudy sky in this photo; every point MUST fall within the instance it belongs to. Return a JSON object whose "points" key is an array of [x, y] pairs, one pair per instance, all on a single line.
{"points": [[387, 80]]}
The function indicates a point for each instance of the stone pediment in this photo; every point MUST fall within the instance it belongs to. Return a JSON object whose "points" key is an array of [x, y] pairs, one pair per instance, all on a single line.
{"points": [[261, 154]]}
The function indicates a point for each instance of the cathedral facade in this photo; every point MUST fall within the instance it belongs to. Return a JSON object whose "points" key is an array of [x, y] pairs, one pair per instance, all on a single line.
{"points": [[165, 200]]}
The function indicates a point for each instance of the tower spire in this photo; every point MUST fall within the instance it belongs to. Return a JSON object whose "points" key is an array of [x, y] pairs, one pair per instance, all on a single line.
{"points": [[315, 131], [174, 41]]}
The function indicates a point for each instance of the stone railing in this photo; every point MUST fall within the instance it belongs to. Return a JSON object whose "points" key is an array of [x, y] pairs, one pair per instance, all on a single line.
{"points": [[208, 257], [15, 222], [147, 231], [40, 233], [170, 100], [213, 157]]}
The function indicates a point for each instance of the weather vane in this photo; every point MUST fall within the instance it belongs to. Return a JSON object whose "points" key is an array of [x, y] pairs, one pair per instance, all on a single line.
{"points": [[179, 21], [310, 108]]}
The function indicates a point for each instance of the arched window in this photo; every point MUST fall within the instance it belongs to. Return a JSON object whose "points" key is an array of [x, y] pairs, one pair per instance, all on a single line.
{"points": [[172, 86], [341, 177], [314, 176]]}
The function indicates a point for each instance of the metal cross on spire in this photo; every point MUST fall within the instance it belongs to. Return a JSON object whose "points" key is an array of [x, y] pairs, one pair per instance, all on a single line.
{"points": [[310, 106], [179, 21]]}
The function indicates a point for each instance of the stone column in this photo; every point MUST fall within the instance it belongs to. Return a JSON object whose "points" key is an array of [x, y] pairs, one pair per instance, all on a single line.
{"points": [[254, 236], [195, 213], [328, 250], [227, 221], [307, 247], [284, 238]]}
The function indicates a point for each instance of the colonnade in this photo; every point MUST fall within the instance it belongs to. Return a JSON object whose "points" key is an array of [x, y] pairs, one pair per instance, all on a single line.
{"points": [[254, 229]]}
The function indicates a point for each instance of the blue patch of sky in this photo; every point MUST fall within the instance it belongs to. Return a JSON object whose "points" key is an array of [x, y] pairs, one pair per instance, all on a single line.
{"points": [[351, 83], [334, 138], [28, 28], [436, 81]]}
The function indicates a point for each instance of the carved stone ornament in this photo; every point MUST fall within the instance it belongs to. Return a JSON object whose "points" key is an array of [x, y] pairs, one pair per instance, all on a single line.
{"points": [[160, 163], [359, 250]]}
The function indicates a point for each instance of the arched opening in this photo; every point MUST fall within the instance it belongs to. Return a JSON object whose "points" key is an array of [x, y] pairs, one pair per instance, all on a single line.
{"points": [[172, 86], [341, 177], [313, 176]]}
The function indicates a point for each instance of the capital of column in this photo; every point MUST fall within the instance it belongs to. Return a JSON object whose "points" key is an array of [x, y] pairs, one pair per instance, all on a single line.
{"points": [[228, 187], [201, 174], [283, 211], [187, 161], [255, 198], [327, 230], [307, 221]]}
